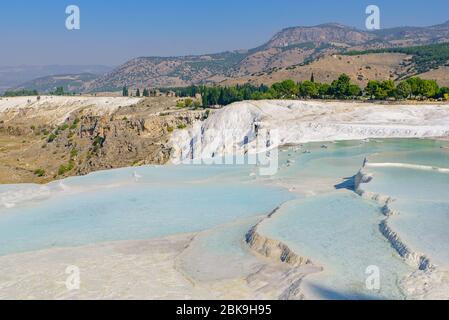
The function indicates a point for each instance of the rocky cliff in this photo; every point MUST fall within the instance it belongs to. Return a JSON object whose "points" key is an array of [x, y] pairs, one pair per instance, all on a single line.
{"points": [[64, 138]]}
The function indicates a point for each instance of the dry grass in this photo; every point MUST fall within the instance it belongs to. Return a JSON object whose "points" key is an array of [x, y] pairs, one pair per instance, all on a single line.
{"points": [[360, 68]]}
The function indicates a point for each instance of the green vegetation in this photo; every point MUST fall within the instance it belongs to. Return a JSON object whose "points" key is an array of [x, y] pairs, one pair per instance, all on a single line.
{"points": [[125, 92], [75, 124], [187, 103], [62, 127], [73, 153], [424, 58], [20, 93], [444, 93], [60, 92], [98, 143], [197, 104], [182, 126], [63, 169], [222, 95], [180, 104], [39, 172], [51, 138], [416, 88], [341, 88]]}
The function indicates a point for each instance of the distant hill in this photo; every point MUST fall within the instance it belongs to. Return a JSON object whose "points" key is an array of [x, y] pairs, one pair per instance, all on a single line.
{"points": [[70, 83], [291, 48], [397, 63], [11, 77]]}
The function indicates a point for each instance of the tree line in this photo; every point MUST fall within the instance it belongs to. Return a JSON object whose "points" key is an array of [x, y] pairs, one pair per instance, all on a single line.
{"points": [[20, 93], [59, 91], [126, 93], [341, 88]]}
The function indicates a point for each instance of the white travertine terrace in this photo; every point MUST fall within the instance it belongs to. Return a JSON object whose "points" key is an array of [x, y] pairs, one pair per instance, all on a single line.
{"points": [[57, 108], [309, 121]]}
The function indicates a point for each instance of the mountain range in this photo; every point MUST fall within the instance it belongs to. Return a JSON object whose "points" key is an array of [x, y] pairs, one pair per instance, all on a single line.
{"points": [[294, 52]]}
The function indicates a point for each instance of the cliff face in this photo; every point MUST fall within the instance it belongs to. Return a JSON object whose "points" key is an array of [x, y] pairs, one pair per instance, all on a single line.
{"points": [[39, 149], [116, 141], [326, 33]]}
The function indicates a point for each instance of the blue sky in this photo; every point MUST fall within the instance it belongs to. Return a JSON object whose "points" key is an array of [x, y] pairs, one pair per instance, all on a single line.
{"points": [[113, 31]]}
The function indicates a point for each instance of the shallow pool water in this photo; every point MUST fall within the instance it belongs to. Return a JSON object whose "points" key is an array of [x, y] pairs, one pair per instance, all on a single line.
{"points": [[421, 199], [339, 232], [115, 205], [321, 217]]}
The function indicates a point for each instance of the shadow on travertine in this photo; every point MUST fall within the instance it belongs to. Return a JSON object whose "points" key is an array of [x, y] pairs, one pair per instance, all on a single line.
{"points": [[331, 294]]}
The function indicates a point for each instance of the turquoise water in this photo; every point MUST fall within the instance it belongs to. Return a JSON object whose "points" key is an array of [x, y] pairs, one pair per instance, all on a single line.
{"points": [[220, 253], [422, 200], [344, 158], [321, 219], [339, 232], [113, 206]]}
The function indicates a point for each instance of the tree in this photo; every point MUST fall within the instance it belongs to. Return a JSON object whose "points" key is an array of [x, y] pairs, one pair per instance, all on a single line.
{"points": [[354, 91], [324, 90], [340, 87], [403, 90], [59, 91], [372, 88], [429, 88], [286, 89], [211, 96], [389, 87], [146, 93], [380, 90], [312, 78], [415, 84], [125, 91], [137, 93], [308, 89], [19, 93], [443, 93]]}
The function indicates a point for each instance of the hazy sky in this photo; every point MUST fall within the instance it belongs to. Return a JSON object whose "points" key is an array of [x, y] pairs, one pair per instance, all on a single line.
{"points": [[113, 31]]}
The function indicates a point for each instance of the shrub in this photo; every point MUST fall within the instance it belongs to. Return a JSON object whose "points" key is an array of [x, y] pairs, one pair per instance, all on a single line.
{"points": [[73, 153], [63, 169], [197, 104], [98, 141], [39, 172], [63, 127], [51, 138], [188, 102], [74, 124], [180, 104]]}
